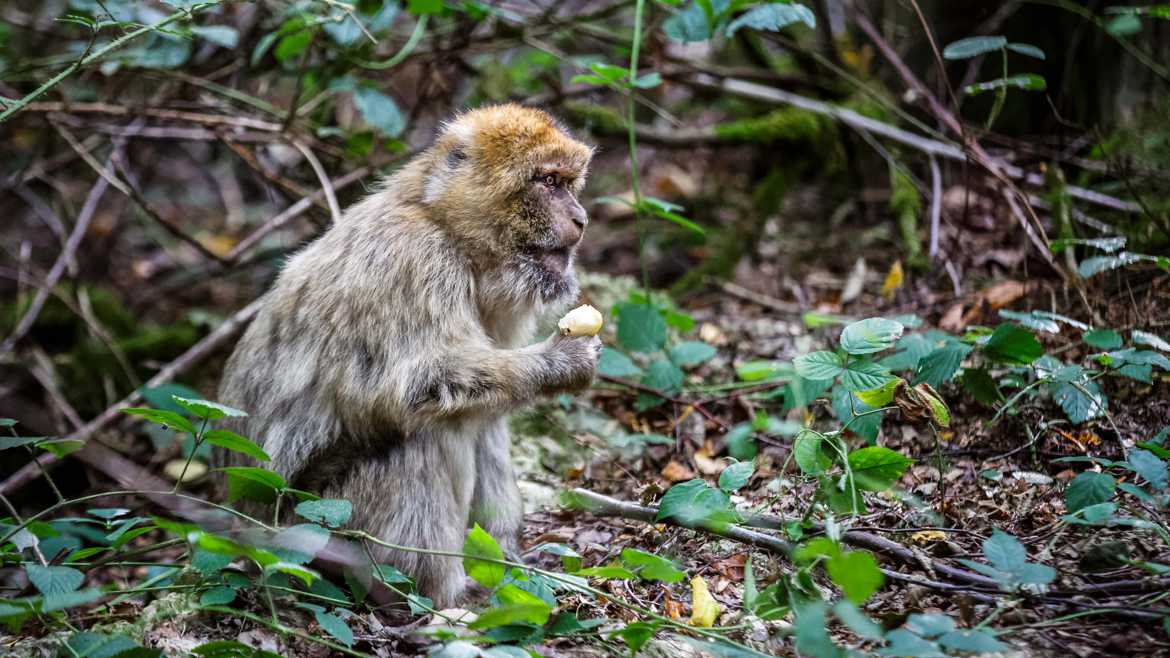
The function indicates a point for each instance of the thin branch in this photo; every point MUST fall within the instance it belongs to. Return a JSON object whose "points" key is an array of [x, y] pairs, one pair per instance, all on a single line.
{"points": [[326, 185]]}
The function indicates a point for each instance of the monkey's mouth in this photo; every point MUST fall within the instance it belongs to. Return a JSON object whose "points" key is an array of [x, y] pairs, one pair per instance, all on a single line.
{"points": [[554, 260]]}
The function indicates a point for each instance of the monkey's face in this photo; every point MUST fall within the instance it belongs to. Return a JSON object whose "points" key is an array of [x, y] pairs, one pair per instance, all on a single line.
{"points": [[507, 183]]}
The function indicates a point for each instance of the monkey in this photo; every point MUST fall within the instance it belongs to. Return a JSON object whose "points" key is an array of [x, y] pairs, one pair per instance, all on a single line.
{"points": [[389, 351]]}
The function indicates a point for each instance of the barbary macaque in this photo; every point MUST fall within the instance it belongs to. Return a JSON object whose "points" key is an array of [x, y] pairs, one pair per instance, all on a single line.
{"points": [[390, 350]]}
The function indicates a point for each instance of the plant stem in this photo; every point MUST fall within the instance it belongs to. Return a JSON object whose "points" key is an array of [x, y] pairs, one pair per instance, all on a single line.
{"points": [[16, 105], [639, 229], [194, 449]]}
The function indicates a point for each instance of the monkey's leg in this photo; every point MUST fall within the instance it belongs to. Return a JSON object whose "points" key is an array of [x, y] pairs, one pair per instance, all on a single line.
{"points": [[417, 495], [496, 505]]}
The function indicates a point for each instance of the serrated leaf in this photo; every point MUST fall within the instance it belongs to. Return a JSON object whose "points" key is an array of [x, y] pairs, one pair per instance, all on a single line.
{"points": [[335, 627], [880, 396], [870, 335], [54, 579], [806, 451], [379, 111], [1089, 488], [1005, 552], [332, 512], [972, 46], [864, 376], [1147, 465], [1081, 400], [1145, 338], [479, 544], [63, 600], [876, 468], [1012, 344], [694, 504], [735, 476], [856, 573], [773, 17], [940, 366], [662, 375], [640, 328], [615, 364], [1102, 339], [819, 366], [691, 353], [688, 25], [979, 383]]}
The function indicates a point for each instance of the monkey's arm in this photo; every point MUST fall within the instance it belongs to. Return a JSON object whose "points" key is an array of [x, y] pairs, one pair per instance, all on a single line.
{"points": [[468, 380]]}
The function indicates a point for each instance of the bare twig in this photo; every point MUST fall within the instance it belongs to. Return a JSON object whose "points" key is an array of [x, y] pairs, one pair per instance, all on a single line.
{"points": [[71, 245], [326, 185]]}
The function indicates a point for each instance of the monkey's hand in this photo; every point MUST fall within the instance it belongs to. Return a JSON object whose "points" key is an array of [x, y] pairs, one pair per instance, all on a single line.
{"points": [[572, 362]]}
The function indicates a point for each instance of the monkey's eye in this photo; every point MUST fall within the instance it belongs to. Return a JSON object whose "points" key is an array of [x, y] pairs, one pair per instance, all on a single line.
{"points": [[552, 180]]}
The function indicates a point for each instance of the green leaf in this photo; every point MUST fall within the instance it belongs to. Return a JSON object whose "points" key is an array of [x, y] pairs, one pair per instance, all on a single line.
{"points": [[334, 626], [379, 111], [688, 25], [880, 396], [870, 335], [292, 45], [940, 366], [231, 441], [973, 641], [1031, 321], [640, 328], [773, 18], [1108, 245], [1025, 81], [221, 35], [662, 375], [480, 544], [1081, 400], [1012, 344], [419, 7], [611, 572], [636, 634], [63, 600], [1026, 49], [54, 579], [876, 468], [819, 366], [332, 512], [9, 442], [652, 567], [691, 353], [253, 483], [1005, 552], [740, 442], [168, 419], [615, 364], [979, 383], [1102, 339], [1145, 338], [61, 447], [864, 376], [1147, 465], [857, 621], [1089, 488], [206, 409], [752, 371], [516, 606], [221, 595], [972, 46], [609, 72], [648, 81], [806, 450], [856, 573], [846, 404], [99, 645], [694, 504], [735, 476], [1092, 266]]}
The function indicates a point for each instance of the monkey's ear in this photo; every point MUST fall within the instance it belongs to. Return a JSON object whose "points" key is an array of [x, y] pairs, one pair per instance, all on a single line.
{"points": [[456, 157]]}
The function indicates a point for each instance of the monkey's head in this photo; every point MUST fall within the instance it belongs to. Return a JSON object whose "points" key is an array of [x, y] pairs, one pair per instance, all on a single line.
{"points": [[504, 181]]}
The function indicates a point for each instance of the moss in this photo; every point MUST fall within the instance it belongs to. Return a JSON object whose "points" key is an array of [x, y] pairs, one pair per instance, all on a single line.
{"points": [[786, 124], [596, 117]]}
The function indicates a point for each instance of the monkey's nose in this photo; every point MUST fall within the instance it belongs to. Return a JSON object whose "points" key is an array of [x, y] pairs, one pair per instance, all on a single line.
{"points": [[579, 217]]}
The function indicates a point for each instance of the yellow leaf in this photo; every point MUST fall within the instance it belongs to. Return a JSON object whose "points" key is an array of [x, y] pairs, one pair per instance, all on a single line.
{"points": [[893, 281], [704, 609], [927, 536]]}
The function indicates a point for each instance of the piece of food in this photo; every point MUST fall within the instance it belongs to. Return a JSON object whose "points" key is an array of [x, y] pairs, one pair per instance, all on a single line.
{"points": [[581, 321]]}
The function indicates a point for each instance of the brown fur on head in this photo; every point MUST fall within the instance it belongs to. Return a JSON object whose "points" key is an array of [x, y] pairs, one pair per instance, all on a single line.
{"points": [[503, 181]]}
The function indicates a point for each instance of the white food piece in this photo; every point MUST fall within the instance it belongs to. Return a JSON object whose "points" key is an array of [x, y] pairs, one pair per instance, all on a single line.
{"points": [[581, 321]]}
